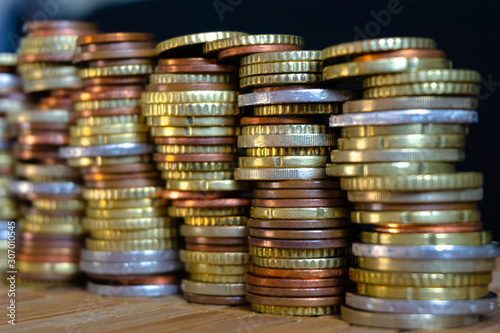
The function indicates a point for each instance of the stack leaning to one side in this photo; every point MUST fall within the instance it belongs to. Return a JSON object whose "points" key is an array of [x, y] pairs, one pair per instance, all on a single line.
{"points": [[426, 263], [300, 237], [131, 250], [191, 107]]}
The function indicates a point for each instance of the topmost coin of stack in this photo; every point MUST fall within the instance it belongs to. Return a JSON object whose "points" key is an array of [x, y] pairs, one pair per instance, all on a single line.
{"points": [[427, 262]]}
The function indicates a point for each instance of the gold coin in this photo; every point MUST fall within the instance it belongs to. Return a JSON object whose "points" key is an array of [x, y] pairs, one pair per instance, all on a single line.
{"points": [[190, 109], [467, 195], [428, 265], [194, 131], [8, 59], [101, 161], [431, 75], [427, 293], [119, 204], [190, 121], [127, 224], [104, 130], [98, 140], [465, 238], [244, 40], [64, 219], [269, 252], [122, 70], [190, 149], [52, 228], [188, 175], [286, 151], [215, 220], [295, 310], [215, 289], [188, 211], [402, 141], [121, 193], [216, 269], [107, 104], [215, 258], [193, 39], [49, 72], [152, 233], [196, 166], [33, 171], [118, 213], [314, 213], [399, 155], [427, 88], [428, 129], [417, 217], [316, 263], [411, 103], [281, 56], [191, 78], [110, 120], [213, 231], [283, 129], [47, 268], [130, 245], [387, 169], [201, 96], [283, 162], [215, 278], [206, 185], [280, 67], [295, 109]]}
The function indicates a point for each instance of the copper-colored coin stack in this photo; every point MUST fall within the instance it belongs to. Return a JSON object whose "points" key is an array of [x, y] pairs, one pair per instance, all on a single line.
{"points": [[131, 250], [49, 231], [426, 263], [191, 107], [300, 235]]}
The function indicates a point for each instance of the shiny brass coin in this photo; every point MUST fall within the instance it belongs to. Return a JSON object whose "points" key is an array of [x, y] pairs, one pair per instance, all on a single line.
{"points": [[81, 131], [466, 238], [98, 140], [39, 218], [280, 67], [216, 289], [411, 103], [270, 252], [283, 162], [188, 42], [427, 88], [403, 141], [127, 224], [191, 78], [387, 169], [196, 166], [188, 175], [280, 79], [296, 109], [106, 161], [124, 70], [467, 195], [107, 104], [220, 44], [427, 265], [315, 263], [184, 211], [287, 151], [432, 75], [130, 245], [118, 213], [305, 55], [110, 120], [304, 234], [193, 149], [122, 193], [398, 155], [52, 228], [367, 131], [53, 268], [190, 109], [191, 121], [215, 220], [426, 293], [215, 258], [299, 213], [152, 233], [150, 97], [216, 269], [120, 204], [417, 217], [296, 310], [283, 129], [194, 131], [215, 278], [213, 231], [206, 185]]}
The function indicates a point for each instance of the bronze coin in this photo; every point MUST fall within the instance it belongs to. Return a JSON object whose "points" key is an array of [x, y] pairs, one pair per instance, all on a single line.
{"points": [[299, 184], [116, 176], [114, 81], [24, 152], [248, 121], [120, 168], [106, 112], [186, 61], [115, 37], [229, 140], [299, 244], [104, 88], [443, 228], [217, 240], [63, 129], [168, 194], [299, 224], [44, 139], [298, 194], [120, 62], [50, 237], [274, 282], [7, 170], [216, 248], [299, 273], [304, 234], [226, 202], [47, 258], [215, 300], [190, 86], [408, 53], [290, 203], [414, 207], [107, 94], [295, 301], [46, 57], [124, 183], [33, 196], [296, 292], [195, 157], [115, 54], [56, 251], [235, 53], [91, 49], [135, 280], [198, 69]]}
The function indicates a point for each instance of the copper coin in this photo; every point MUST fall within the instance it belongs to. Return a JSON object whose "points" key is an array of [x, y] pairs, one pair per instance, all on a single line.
{"points": [[299, 244], [56, 251], [47, 258], [195, 157], [273, 282], [124, 183], [106, 112], [290, 203], [50, 243], [216, 248], [413, 207], [115, 54], [299, 224], [135, 280], [304, 234], [6, 170], [296, 292], [235, 53], [217, 240], [198, 69], [408, 53], [49, 276], [115, 37], [114, 81], [226, 202], [444, 228], [116, 176], [247, 121], [107, 47], [186, 61], [300, 184], [215, 300], [168, 194], [190, 86], [299, 273], [44, 139], [229, 140], [120, 62], [46, 57], [49, 237], [108, 94], [298, 194], [105, 88], [295, 301], [119, 169]]}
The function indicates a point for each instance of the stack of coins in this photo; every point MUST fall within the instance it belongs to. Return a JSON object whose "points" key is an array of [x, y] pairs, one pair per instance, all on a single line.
{"points": [[130, 251], [426, 263], [50, 230], [300, 235], [191, 107]]}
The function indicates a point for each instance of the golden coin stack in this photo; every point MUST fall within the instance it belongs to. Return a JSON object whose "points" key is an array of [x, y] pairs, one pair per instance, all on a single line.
{"points": [[426, 263], [191, 107], [300, 237], [129, 250]]}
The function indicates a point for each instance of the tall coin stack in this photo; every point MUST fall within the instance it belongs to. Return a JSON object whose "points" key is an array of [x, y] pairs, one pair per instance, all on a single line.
{"points": [[50, 230], [426, 263], [11, 102], [300, 237], [191, 107], [131, 250]]}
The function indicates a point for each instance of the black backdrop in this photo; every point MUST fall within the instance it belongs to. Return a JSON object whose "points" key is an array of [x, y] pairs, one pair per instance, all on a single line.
{"points": [[466, 30]]}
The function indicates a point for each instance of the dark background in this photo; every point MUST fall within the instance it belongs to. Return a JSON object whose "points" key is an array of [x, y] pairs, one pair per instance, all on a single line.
{"points": [[466, 30]]}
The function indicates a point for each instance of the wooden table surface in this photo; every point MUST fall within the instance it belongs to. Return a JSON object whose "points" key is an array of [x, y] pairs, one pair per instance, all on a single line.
{"points": [[73, 310]]}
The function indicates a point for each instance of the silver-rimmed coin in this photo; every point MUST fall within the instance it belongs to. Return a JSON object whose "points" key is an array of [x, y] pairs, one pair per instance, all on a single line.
{"points": [[21, 187], [314, 95], [119, 149], [125, 268], [130, 256], [133, 291]]}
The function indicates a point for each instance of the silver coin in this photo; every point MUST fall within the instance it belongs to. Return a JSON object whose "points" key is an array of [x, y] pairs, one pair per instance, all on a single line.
{"points": [[130, 256], [286, 140], [314, 95], [398, 155], [279, 173], [461, 307], [119, 149], [21, 187], [9, 80], [133, 291], [125, 268], [427, 251], [410, 102], [475, 194], [398, 117]]}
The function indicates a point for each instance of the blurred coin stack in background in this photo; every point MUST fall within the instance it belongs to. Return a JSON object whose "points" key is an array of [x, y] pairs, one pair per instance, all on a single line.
{"points": [[300, 235], [191, 107], [426, 263], [49, 230], [131, 250]]}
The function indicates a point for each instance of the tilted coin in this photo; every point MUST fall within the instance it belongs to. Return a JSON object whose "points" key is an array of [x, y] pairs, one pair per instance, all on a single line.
{"points": [[312, 95]]}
